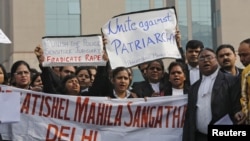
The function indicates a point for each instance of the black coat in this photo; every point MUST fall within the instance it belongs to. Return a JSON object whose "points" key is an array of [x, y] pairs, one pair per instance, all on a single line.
{"points": [[225, 99], [144, 89]]}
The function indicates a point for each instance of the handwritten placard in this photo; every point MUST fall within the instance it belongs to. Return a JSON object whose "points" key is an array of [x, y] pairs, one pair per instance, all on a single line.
{"points": [[3, 38], [81, 50], [134, 38]]}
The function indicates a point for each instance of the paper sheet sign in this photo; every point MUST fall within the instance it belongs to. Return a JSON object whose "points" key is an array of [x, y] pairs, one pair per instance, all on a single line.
{"points": [[134, 38], [73, 50], [3, 38]]}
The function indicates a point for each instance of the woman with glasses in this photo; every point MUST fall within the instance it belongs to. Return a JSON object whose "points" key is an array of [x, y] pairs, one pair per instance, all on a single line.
{"points": [[20, 75], [155, 83]]}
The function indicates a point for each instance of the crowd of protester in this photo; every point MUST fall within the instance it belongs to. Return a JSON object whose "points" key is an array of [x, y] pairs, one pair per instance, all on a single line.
{"points": [[215, 86]]}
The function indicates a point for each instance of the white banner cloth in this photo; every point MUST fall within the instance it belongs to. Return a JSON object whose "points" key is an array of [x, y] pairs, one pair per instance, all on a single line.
{"points": [[74, 118]]}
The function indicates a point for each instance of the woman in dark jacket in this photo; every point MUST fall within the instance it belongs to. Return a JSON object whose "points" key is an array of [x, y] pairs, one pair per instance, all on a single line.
{"points": [[177, 77]]}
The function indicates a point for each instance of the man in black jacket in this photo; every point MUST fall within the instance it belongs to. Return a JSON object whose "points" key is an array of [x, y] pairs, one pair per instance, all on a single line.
{"points": [[210, 98], [226, 57]]}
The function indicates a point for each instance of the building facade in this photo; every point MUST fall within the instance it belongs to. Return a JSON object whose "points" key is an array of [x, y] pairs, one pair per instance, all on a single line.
{"points": [[26, 22]]}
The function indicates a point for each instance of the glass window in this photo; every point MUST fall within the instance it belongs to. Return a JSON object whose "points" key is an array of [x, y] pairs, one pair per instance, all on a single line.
{"points": [[182, 21], [136, 5], [62, 17], [74, 8], [202, 21], [158, 3]]}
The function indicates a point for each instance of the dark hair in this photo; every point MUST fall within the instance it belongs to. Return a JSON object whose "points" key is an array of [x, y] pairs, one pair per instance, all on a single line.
{"points": [[14, 68], [193, 44], [225, 46], [92, 67], [63, 89], [33, 72], [34, 77], [119, 69], [139, 65], [208, 49], [159, 61], [5, 75], [173, 64], [61, 68], [247, 41], [83, 68]]}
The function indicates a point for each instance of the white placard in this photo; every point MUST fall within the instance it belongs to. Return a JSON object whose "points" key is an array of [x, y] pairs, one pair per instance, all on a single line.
{"points": [[3, 38], [134, 38], [76, 50]]}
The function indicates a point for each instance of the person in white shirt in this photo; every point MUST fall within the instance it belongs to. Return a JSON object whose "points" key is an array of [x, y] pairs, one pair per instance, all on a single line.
{"points": [[193, 48], [212, 97]]}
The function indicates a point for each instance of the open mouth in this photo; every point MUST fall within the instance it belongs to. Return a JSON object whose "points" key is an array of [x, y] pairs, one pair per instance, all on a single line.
{"points": [[176, 79]]}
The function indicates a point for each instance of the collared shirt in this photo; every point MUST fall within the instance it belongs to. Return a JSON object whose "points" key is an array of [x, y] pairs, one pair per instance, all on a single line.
{"points": [[237, 71], [204, 113], [127, 94], [194, 74], [177, 91], [156, 87], [85, 90]]}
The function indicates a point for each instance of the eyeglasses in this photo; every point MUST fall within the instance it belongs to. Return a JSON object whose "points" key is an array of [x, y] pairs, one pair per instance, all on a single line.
{"points": [[153, 68], [208, 58], [22, 72]]}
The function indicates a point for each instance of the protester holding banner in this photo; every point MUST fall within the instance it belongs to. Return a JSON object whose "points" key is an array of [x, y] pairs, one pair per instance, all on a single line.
{"points": [[107, 83], [56, 69], [20, 75], [177, 78], [51, 81], [211, 98], [64, 71]]}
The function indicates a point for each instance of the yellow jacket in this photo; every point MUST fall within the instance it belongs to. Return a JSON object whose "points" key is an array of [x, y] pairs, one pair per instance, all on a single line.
{"points": [[245, 92]]}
